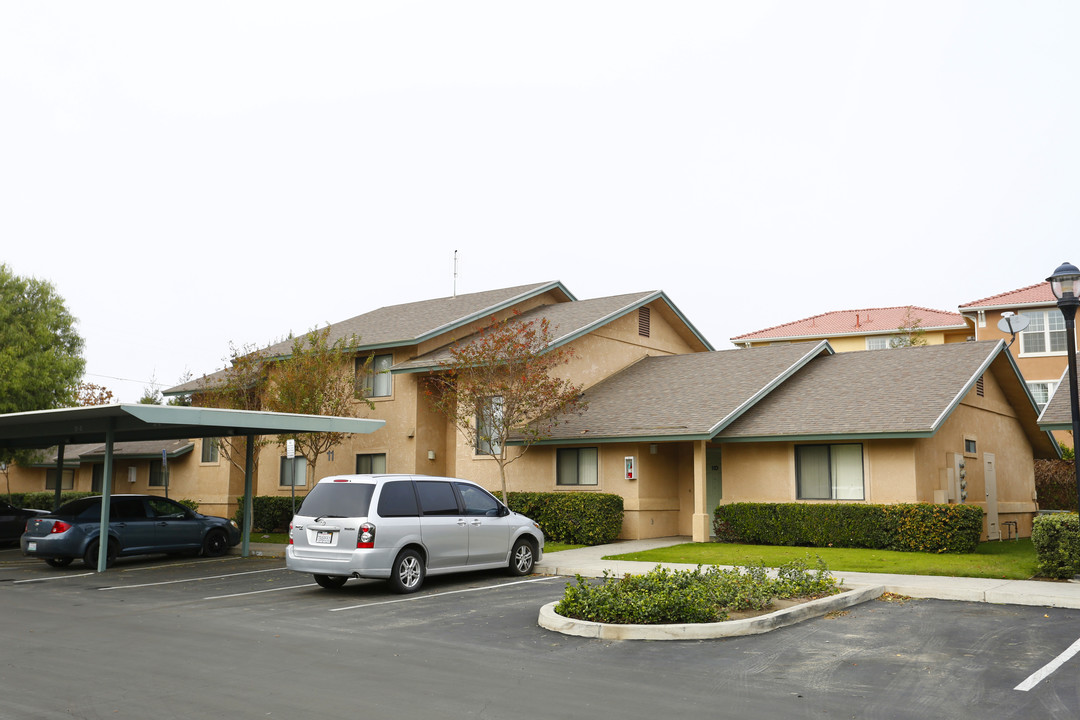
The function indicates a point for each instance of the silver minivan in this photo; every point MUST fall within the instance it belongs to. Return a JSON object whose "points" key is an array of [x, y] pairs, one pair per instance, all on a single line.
{"points": [[404, 527]]}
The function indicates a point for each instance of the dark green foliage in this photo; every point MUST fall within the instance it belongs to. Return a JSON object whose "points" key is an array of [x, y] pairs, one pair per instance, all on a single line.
{"points": [[45, 500], [665, 596], [40, 351], [1056, 539], [192, 505], [918, 527], [269, 513], [1055, 484], [577, 518]]}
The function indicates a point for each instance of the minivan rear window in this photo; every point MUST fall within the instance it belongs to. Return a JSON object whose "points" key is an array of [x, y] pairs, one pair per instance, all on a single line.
{"points": [[338, 500]]}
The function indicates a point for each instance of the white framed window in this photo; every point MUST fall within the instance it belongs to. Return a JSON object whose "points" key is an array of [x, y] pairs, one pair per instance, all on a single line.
{"points": [[293, 472], [1042, 391], [880, 342], [1045, 333], [577, 466], [489, 418], [829, 472], [377, 380]]}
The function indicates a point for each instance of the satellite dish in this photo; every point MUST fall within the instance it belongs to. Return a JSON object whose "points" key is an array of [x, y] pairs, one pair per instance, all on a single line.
{"points": [[1012, 323]]}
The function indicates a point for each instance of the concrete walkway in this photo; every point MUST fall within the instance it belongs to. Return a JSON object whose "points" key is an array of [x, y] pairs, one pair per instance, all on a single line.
{"points": [[588, 562]]}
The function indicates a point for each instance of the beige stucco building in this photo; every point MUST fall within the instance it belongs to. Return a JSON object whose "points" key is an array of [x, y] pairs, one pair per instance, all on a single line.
{"points": [[672, 426]]}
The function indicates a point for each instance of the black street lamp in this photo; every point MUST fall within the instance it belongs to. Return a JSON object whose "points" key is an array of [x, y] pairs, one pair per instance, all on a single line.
{"points": [[1065, 282]]}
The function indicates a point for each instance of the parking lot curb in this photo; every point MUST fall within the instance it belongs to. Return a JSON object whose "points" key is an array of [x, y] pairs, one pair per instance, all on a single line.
{"points": [[549, 620]]}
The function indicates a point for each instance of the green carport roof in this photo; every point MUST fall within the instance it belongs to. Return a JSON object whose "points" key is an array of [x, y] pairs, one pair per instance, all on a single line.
{"points": [[46, 428]]}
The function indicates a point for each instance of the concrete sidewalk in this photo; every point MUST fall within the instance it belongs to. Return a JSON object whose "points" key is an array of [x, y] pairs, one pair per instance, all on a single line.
{"points": [[588, 562]]}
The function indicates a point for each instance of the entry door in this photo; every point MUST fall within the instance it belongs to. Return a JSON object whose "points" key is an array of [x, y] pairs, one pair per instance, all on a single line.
{"points": [[990, 480], [713, 482]]}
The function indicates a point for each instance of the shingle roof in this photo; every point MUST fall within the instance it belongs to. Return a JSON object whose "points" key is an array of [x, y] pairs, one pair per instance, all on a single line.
{"points": [[142, 449], [682, 395], [568, 321], [867, 321], [905, 391], [1038, 294], [1057, 415], [408, 323]]}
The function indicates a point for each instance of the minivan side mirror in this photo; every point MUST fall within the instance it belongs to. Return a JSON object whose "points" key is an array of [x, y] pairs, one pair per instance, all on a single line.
{"points": [[503, 510]]}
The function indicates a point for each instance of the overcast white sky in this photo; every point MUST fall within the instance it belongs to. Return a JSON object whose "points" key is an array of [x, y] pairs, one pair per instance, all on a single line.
{"points": [[189, 174]]}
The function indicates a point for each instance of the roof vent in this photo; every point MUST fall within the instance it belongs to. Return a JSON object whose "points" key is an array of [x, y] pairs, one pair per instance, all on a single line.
{"points": [[644, 320], [980, 388]]}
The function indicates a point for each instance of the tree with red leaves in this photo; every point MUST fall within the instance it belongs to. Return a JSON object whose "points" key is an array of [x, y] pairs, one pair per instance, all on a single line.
{"points": [[498, 387]]}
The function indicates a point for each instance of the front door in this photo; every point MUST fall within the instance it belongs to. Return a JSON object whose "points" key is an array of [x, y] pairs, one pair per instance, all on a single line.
{"points": [[993, 532], [713, 482]]}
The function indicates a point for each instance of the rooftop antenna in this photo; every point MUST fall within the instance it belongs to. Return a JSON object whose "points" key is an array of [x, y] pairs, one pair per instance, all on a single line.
{"points": [[455, 273], [1012, 323]]}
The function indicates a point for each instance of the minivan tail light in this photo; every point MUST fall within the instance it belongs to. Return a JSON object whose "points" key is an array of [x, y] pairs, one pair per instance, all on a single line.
{"points": [[59, 526], [290, 533], [366, 538]]}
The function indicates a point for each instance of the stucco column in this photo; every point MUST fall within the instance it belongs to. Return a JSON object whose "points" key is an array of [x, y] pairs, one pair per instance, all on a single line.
{"points": [[702, 519]]}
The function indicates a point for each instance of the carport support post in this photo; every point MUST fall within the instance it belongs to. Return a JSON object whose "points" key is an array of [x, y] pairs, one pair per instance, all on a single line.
{"points": [[106, 497], [701, 520], [249, 460], [59, 476]]}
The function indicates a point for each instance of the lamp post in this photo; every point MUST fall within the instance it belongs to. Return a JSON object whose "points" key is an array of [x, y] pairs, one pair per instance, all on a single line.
{"points": [[1065, 282]]}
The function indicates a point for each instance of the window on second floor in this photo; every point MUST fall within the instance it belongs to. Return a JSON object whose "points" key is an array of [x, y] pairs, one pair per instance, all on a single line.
{"points": [[880, 342], [1045, 333], [371, 464], [1042, 391], [489, 426], [293, 472], [375, 379]]}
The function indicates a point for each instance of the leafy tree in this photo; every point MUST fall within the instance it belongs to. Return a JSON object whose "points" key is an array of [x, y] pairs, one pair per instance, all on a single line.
{"points": [[499, 385], [317, 378], [240, 386], [88, 394], [40, 351], [911, 331]]}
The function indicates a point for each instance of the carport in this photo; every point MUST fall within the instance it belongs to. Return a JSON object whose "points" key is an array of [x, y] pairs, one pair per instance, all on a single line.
{"points": [[110, 424]]}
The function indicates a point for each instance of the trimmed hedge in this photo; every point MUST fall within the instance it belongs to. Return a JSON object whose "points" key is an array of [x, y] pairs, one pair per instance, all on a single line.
{"points": [[269, 513], [1055, 484], [918, 527], [1056, 539], [569, 517], [576, 518], [44, 500]]}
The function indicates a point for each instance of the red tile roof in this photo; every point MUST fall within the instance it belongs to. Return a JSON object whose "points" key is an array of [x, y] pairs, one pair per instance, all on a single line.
{"points": [[857, 322], [1037, 294]]}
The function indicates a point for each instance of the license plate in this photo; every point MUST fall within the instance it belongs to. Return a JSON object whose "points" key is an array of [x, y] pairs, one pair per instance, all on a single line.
{"points": [[31, 546], [324, 538]]}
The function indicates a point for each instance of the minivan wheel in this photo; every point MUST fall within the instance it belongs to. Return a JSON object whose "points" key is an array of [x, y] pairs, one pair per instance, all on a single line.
{"points": [[331, 582], [522, 558], [407, 572]]}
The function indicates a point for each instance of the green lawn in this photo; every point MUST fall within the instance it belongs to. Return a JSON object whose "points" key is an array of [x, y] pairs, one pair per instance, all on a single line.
{"points": [[1012, 560]]}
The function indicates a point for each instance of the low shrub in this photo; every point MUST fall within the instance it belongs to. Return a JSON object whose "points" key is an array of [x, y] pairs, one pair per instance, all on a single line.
{"points": [[913, 527], [575, 518], [665, 596], [1055, 538], [269, 513], [1055, 484], [45, 500]]}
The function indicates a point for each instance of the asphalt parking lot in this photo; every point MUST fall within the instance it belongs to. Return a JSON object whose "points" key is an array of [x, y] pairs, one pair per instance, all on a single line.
{"points": [[209, 638]]}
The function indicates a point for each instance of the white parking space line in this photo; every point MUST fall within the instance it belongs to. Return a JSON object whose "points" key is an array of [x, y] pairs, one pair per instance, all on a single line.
{"points": [[57, 577], [259, 592], [448, 592], [1045, 671], [198, 561], [187, 580]]}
